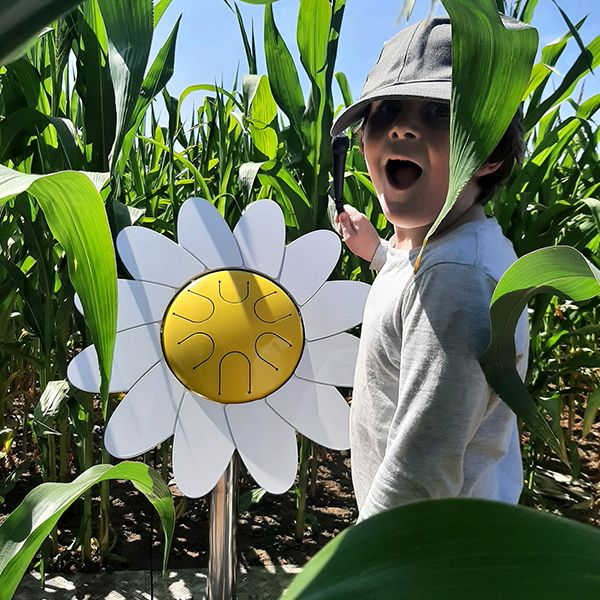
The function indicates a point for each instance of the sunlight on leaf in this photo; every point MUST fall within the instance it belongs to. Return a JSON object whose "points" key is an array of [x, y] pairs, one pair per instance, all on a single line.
{"points": [[491, 66], [455, 549], [561, 271], [29, 524], [75, 214]]}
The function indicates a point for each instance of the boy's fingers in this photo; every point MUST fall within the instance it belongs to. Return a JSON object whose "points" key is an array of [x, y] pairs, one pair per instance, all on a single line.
{"points": [[346, 227], [350, 210]]}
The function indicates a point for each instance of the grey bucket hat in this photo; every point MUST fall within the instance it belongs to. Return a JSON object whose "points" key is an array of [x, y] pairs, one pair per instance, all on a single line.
{"points": [[416, 62]]}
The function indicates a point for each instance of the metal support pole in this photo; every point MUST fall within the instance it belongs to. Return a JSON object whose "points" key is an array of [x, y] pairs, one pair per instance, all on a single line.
{"points": [[222, 563]]}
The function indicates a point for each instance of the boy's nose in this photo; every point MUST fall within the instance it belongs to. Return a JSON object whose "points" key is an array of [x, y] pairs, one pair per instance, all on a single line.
{"points": [[406, 125], [402, 131]]}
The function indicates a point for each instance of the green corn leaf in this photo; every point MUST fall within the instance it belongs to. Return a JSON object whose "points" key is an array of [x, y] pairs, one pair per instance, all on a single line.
{"points": [[33, 309], [542, 71], [129, 39], [204, 87], [159, 10], [587, 109], [200, 180], [344, 86], [7, 437], [31, 92], [527, 11], [263, 110], [24, 123], [21, 20], [259, 1], [578, 69], [491, 66], [575, 33], [560, 270], [553, 51], [159, 74], [249, 47], [455, 549], [94, 87], [314, 18], [75, 214], [593, 206], [283, 75], [32, 521], [591, 411]]}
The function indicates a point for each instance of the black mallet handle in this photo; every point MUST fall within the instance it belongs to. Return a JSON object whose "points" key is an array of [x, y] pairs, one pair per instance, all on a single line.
{"points": [[339, 147]]}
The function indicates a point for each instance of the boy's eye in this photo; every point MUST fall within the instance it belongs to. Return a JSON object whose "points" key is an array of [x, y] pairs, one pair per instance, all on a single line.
{"points": [[390, 109], [384, 116], [439, 111]]}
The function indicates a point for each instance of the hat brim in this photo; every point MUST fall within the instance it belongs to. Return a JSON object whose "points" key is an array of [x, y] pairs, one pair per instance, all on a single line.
{"points": [[436, 90]]}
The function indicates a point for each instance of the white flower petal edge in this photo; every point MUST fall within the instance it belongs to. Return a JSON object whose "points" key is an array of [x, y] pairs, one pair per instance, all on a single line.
{"points": [[146, 416], [203, 232], [129, 363], [202, 447], [150, 256], [308, 262], [317, 411], [331, 360], [260, 234], [337, 306], [138, 303], [266, 443]]}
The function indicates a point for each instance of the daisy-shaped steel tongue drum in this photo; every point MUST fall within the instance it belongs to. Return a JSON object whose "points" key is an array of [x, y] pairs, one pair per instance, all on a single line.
{"points": [[229, 341]]}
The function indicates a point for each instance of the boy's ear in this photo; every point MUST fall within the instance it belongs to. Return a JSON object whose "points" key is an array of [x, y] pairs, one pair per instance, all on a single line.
{"points": [[487, 168], [361, 144]]}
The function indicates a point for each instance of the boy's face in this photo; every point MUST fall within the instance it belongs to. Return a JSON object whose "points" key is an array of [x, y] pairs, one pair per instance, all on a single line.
{"points": [[406, 143]]}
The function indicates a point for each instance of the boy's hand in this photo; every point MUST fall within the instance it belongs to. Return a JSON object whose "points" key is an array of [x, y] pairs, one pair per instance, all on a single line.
{"points": [[357, 232]]}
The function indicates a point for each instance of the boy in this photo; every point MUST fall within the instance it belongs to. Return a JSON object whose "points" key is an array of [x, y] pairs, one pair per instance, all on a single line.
{"points": [[424, 421]]}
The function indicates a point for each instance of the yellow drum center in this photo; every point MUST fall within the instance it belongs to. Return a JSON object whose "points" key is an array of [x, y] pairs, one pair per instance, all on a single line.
{"points": [[232, 336]]}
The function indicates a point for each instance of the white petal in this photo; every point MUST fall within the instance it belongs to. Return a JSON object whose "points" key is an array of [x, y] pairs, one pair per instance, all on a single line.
{"points": [[202, 231], [266, 443], [136, 352], [260, 234], [317, 411], [331, 360], [138, 303], [202, 447], [154, 258], [337, 306], [146, 416], [308, 263]]}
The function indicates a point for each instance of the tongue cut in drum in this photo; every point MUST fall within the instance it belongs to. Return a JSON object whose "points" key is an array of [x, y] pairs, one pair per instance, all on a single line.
{"points": [[403, 173]]}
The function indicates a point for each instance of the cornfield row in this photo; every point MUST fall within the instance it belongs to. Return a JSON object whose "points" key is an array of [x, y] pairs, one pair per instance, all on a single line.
{"points": [[260, 139]]}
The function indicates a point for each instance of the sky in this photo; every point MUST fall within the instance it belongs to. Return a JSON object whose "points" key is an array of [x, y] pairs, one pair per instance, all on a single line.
{"points": [[210, 48]]}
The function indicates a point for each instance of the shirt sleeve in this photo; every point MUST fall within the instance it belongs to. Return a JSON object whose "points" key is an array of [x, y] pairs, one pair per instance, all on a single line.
{"points": [[442, 391], [380, 256]]}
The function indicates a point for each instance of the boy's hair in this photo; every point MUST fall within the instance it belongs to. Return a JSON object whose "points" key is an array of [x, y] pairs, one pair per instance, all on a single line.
{"points": [[510, 150]]}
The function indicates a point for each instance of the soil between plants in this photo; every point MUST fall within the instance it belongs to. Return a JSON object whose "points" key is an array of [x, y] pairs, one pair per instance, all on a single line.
{"points": [[265, 532]]}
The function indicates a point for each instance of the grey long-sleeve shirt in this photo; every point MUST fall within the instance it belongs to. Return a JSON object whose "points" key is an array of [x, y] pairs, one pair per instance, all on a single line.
{"points": [[424, 421]]}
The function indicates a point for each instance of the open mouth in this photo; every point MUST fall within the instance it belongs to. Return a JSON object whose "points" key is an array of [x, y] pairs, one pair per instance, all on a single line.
{"points": [[402, 174]]}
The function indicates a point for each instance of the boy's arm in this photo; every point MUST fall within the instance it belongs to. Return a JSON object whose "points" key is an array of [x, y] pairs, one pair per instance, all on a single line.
{"points": [[361, 237], [442, 392]]}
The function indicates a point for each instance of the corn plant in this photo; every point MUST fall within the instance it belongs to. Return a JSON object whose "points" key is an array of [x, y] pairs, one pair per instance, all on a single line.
{"points": [[51, 123]]}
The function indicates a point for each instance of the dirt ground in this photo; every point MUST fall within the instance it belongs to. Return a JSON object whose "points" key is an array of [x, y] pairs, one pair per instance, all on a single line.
{"points": [[265, 534]]}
